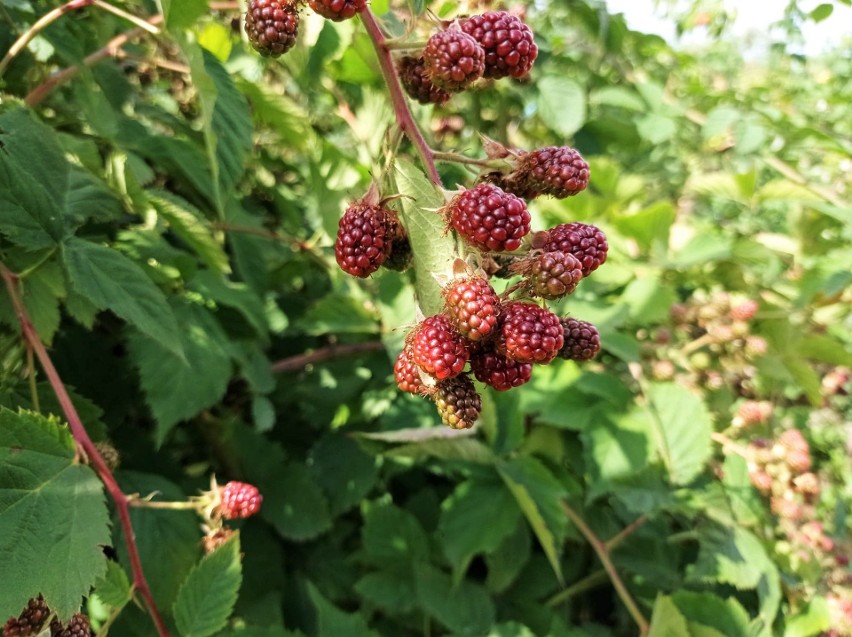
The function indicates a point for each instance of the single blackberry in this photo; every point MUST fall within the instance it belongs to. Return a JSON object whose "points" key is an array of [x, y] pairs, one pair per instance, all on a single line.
{"points": [[584, 241], [337, 10], [552, 275], [437, 347], [582, 341], [417, 83], [490, 219], [30, 621], [529, 333], [494, 369], [458, 402], [559, 171], [407, 373], [508, 43], [240, 500], [77, 626], [272, 26], [454, 60], [473, 307], [364, 238]]}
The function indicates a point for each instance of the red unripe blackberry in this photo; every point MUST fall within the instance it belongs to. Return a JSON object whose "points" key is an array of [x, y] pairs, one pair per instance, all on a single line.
{"points": [[552, 275], [337, 10], [559, 171], [454, 60], [793, 440], [365, 236], [744, 311], [417, 83], [78, 626], [30, 621], [582, 341], [507, 41], [529, 333], [490, 219], [584, 241], [473, 307], [753, 412], [272, 26], [458, 402], [761, 480], [240, 500], [494, 369], [438, 348], [407, 373]]}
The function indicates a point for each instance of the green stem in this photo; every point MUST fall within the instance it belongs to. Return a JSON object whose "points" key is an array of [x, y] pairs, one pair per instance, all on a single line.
{"points": [[590, 581], [461, 159], [401, 45]]}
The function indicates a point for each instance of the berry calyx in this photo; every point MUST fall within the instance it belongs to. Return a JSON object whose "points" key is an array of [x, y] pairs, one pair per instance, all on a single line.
{"points": [[437, 347], [584, 241], [458, 402], [272, 26], [417, 83], [240, 500], [454, 60], [473, 306], [490, 219], [552, 275], [30, 621], [337, 10], [529, 333], [501, 373], [507, 41], [582, 340], [365, 237], [407, 373]]}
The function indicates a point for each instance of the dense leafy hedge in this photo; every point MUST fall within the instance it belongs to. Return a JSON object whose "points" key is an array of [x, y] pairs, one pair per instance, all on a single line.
{"points": [[167, 214]]}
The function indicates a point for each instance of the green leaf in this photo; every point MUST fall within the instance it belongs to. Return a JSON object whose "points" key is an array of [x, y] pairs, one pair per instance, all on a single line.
{"points": [[192, 382], [667, 620], [539, 497], [466, 608], [41, 290], [617, 96], [814, 619], [333, 622], [616, 447], [475, 519], [294, 503], [111, 281], [215, 287], [113, 588], [181, 14], [729, 555], [345, 471], [187, 222], [53, 517], [656, 128], [727, 616], [392, 535], [207, 596], [389, 590], [433, 246], [561, 104], [507, 560], [683, 427]]}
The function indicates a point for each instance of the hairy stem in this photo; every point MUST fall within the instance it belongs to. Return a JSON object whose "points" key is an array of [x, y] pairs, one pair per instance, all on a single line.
{"points": [[600, 547], [81, 437], [299, 361], [400, 105]]}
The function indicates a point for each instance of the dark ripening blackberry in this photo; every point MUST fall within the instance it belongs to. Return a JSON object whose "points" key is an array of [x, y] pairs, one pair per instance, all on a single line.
{"points": [[490, 219], [417, 83], [78, 626], [454, 60], [364, 238], [30, 621], [552, 275], [584, 241], [559, 171], [458, 402], [582, 341], [473, 307], [494, 369], [437, 347], [407, 373], [272, 26], [507, 41], [337, 10], [529, 333], [240, 500]]}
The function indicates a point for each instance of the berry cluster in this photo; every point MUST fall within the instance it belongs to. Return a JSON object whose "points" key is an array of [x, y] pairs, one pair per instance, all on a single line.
{"points": [[782, 471], [34, 618]]}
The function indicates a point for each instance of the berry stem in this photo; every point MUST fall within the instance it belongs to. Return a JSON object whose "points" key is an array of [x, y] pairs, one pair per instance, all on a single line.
{"points": [[600, 547], [592, 580], [404, 45], [81, 437], [461, 159], [143, 503], [297, 362], [400, 105]]}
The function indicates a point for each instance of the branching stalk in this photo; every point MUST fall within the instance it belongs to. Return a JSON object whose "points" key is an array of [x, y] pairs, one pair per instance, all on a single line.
{"points": [[81, 437]]}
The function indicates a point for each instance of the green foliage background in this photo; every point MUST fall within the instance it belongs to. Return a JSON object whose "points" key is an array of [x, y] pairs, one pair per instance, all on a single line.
{"points": [[172, 213]]}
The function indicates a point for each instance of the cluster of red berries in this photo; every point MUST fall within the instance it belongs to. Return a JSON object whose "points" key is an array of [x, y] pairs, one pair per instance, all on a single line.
{"points": [[493, 45], [34, 618], [272, 26]]}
